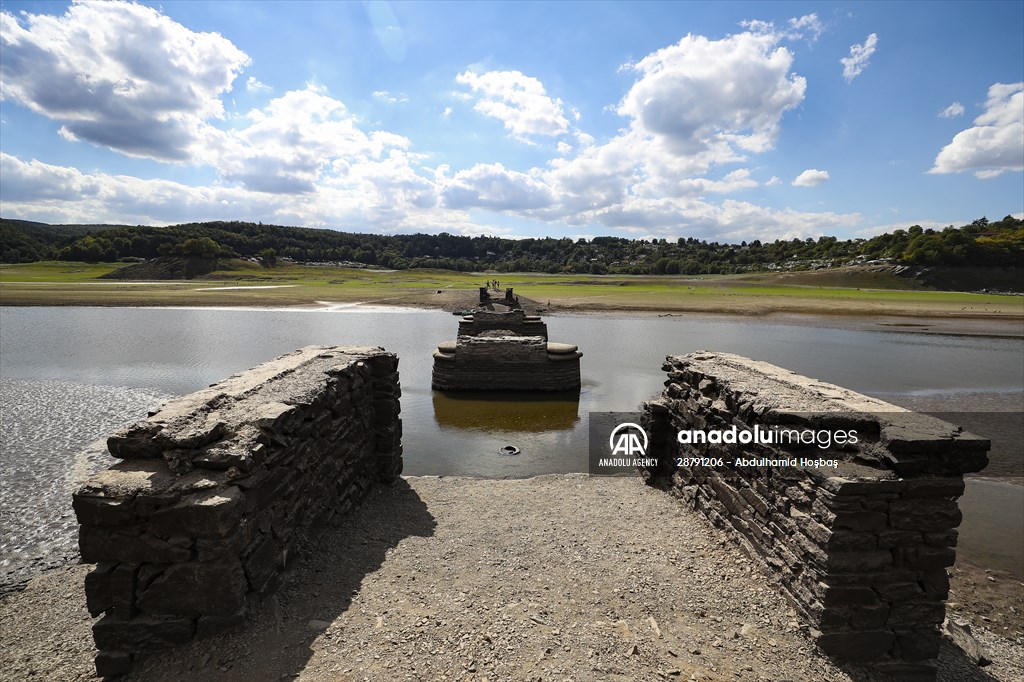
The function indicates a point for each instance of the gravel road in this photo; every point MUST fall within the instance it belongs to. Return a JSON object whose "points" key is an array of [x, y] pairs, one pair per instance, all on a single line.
{"points": [[550, 578]]}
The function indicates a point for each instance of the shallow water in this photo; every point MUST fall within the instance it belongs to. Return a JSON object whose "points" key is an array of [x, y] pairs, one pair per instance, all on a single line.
{"points": [[52, 439], [175, 351]]}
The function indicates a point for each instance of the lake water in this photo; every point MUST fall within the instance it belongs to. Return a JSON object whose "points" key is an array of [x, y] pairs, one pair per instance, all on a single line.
{"points": [[53, 359]]}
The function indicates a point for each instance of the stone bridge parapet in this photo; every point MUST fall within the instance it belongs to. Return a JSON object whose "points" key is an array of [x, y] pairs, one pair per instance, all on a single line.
{"points": [[859, 534], [217, 489]]}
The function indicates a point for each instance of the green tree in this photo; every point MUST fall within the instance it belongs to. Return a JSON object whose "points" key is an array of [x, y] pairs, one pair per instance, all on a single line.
{"points": [[267, 257]]}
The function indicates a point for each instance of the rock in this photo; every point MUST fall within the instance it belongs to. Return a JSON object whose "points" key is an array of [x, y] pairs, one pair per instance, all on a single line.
{"points": [[959, 631], [318, 625]]}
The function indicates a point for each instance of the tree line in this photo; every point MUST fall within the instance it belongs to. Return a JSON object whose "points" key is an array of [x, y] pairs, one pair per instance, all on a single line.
{"points": [[981, 243]]}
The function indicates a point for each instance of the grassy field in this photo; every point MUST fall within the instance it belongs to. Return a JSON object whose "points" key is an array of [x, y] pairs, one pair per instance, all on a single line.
{"points": [[848, 291]]}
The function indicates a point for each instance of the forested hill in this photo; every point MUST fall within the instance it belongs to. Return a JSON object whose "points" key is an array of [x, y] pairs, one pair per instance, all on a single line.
{"points": [[981, 243]]}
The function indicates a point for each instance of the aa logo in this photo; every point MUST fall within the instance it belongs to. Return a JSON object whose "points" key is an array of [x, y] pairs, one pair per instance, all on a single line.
{"points": [[628, 439]]}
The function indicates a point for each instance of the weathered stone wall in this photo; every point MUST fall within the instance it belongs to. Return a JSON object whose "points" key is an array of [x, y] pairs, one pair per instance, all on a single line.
{"points": [[515, 321], [497, 361], [861, 548], [217, 488]]}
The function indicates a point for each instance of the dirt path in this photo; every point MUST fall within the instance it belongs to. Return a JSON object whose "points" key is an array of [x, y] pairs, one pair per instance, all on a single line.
{"points": [[555, 577]]}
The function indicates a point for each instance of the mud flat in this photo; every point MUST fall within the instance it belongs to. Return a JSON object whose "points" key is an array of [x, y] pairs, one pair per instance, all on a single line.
{"points": [[554, 577], [43, 425]]}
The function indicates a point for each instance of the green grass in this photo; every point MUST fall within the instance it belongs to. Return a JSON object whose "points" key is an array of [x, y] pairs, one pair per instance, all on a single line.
{"points": [[64, 283]]}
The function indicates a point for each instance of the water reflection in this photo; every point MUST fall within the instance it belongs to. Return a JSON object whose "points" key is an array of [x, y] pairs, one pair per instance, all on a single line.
{"points": [[509, 412]]}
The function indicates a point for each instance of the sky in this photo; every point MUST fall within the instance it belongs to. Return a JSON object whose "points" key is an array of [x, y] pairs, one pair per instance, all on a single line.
{"points": [[720, 121]]}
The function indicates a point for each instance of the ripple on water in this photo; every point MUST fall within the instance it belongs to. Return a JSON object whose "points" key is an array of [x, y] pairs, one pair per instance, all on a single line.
{"points": [[51, 440]]}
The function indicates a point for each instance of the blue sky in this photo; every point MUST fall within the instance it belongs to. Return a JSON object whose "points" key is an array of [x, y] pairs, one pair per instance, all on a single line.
{"points": [[722, 121]]}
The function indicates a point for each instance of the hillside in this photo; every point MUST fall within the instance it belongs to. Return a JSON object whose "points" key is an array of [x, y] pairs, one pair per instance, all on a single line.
{"points": [[981, 255]]}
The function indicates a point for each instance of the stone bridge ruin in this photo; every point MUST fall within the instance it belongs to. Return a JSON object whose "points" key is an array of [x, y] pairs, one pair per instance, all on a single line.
{"points": [[861, 547], [217, 490]]}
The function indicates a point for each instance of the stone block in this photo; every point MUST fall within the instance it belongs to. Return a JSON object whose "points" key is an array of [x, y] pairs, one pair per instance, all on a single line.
{"points": [[925, 514], [103, 511], [867, 561], [194, 589], [210, 513], [97, 545], [122, 590], [869, 617], [932, 557], [142, 633], [849, 595], [97, 589], [938, 486], [917, 613], [870, 645], [848, 540], [919, 644], [861, 521], [113, 663]]}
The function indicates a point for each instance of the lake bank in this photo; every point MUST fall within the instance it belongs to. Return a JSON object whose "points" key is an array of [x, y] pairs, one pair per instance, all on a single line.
{"points": [[756, 294], [547, 576]]}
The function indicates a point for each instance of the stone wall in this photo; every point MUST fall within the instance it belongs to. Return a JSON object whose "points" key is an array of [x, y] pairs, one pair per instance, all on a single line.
{"points": [[499, 361], [861, 548], [217, 489], [515, 321]]}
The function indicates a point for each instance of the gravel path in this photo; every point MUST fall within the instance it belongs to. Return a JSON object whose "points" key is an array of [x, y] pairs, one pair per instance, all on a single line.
{"points": [[550, 578]]}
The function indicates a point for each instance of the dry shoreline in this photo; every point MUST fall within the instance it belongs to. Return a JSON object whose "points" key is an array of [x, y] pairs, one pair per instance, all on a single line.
{"points": [[473, 579]]}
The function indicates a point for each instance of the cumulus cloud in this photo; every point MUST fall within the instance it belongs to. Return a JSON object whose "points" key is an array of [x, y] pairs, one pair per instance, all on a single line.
{"points": [[494, 187], [773, 181], [953, 110], [519, 101], [119, 75], [290, 144], [860, 57], [811, 177], [996, 142], [714, 97]]}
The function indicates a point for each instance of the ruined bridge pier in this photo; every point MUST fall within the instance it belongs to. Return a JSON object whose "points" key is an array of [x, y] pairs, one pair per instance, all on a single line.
{"points": [[218, 489], [861, 548]]}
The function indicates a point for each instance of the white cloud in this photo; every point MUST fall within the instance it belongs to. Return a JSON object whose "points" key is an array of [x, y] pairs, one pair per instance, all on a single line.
{"points": [[254, 85], [773, 181], [860, 57], [811, 177], [494, 187], [807, 26], [304, 158], [390, 98], [714, 98], [953, 110], [996, 142], [519, 101], [384, 194], [293, 142], [119, 75]]}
